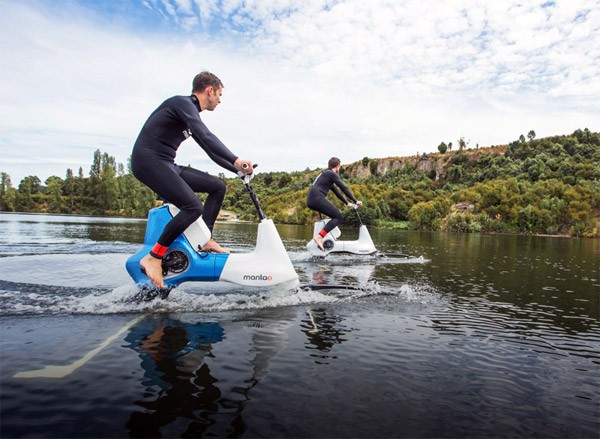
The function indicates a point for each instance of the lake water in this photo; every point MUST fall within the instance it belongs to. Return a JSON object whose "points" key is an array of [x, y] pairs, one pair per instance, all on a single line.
{"points": [[473, 336]]}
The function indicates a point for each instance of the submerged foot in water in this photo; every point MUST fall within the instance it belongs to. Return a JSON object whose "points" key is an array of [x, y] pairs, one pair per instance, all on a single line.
{"points": [[213, 247], [153, 268]]}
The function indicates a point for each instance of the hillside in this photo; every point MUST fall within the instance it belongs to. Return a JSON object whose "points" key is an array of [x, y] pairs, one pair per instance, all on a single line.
{"points": [[533, 186]]}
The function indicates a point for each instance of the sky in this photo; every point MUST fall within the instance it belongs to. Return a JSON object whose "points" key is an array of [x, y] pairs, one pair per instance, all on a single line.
{"points": [[304, 80]]}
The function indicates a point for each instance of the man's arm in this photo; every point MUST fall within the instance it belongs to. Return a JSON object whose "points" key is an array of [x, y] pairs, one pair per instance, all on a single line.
{"points": [[214, 148], [338, 194], [338, 182]]}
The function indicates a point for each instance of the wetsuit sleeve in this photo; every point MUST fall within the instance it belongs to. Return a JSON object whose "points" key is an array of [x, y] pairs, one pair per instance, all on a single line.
{"points": [[338, 194], [210, 143], [338, 182]]}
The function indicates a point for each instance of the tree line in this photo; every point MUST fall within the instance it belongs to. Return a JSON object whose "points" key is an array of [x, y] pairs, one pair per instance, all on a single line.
{"points": [[534, 186], [108, 190]]}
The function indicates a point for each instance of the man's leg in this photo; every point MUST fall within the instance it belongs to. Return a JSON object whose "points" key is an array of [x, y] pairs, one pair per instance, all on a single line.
{"points": [[164, 178], [335, 218], [201, 181]]}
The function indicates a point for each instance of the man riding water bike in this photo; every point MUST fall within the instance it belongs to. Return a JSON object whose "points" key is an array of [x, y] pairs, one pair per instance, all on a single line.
{"points": [[153, 163], [317, 197]]}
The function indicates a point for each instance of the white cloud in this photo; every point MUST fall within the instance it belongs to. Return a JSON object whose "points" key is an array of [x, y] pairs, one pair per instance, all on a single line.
{"points": [[302, 82]]}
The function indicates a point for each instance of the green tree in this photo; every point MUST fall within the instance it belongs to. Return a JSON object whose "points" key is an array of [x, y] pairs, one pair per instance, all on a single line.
{"points": [[8, 194], [137, 199], [284, 180], [69, 189], [96, 168], [455, 173], [93, 186], [29, 186], [534, 168], [108, 188], [428, 215], [54, 194], [373, 167], [80, 184]]}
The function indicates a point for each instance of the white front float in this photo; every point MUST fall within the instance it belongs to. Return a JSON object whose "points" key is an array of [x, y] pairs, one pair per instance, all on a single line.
{"points": [[362, 246], [267, 265]]}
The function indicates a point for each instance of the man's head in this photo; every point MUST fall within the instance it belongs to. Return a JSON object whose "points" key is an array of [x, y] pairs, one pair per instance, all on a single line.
{"points": [[208, 89], [205, 79], [333, 163]]}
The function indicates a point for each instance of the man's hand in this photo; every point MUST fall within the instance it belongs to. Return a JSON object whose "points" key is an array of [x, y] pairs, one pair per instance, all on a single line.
{"points": [[243, 166]]}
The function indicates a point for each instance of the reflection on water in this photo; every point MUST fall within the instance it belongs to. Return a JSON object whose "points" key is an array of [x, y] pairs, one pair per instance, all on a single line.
{"points": [[187, 393], [178, 382], [323, 332], [39, 234], [477, 336]]}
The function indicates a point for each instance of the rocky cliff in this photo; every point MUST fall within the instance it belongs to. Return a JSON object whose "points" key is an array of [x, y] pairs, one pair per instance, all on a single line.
{"points": [[433, 163]]}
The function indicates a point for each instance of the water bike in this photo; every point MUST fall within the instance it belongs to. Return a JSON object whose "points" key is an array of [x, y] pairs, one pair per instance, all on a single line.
{"points": [[362, 246], [266, 266]]}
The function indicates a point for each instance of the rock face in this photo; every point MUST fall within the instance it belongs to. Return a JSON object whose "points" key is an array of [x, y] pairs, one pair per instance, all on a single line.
{"points": [[426, 163]]}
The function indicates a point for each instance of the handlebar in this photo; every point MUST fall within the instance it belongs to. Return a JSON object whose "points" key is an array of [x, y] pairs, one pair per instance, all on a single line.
{"points": [[247, 177]]}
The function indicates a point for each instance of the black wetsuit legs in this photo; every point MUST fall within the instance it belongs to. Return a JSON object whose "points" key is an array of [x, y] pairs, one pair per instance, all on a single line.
{"points": [[326, 207], [200, 181], [177, 185]]}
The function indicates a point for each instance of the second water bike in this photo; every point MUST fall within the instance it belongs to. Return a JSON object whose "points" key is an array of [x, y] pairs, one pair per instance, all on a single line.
{"points": [[266, 266], [331, 244]]}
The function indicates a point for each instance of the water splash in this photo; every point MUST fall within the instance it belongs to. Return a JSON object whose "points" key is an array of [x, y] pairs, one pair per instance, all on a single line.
{"points": [[34, 299], [96, 283]]}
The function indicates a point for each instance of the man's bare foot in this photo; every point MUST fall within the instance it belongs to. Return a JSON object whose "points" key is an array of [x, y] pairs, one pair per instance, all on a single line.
{"points": [[214, 247], [319, 240], [153, 269]]}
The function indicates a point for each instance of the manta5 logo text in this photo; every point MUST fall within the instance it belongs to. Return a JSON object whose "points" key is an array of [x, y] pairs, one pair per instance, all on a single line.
{"points": [[257, 277]]}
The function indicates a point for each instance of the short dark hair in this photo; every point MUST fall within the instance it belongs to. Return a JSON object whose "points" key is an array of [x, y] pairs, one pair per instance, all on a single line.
{"points": [[205, 79], [333, 162]]}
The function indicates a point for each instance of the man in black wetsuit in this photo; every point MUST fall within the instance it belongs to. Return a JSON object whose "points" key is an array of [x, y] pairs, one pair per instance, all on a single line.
{"points": [[153, 163], [317, 197]]}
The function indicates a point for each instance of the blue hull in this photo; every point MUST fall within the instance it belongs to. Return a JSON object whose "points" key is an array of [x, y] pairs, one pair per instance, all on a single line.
{"points": [[202, 267]]}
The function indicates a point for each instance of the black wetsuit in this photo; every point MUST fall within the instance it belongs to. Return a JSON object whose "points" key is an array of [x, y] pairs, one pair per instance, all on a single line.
{"points": [[153, 163], [317, 197]]}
